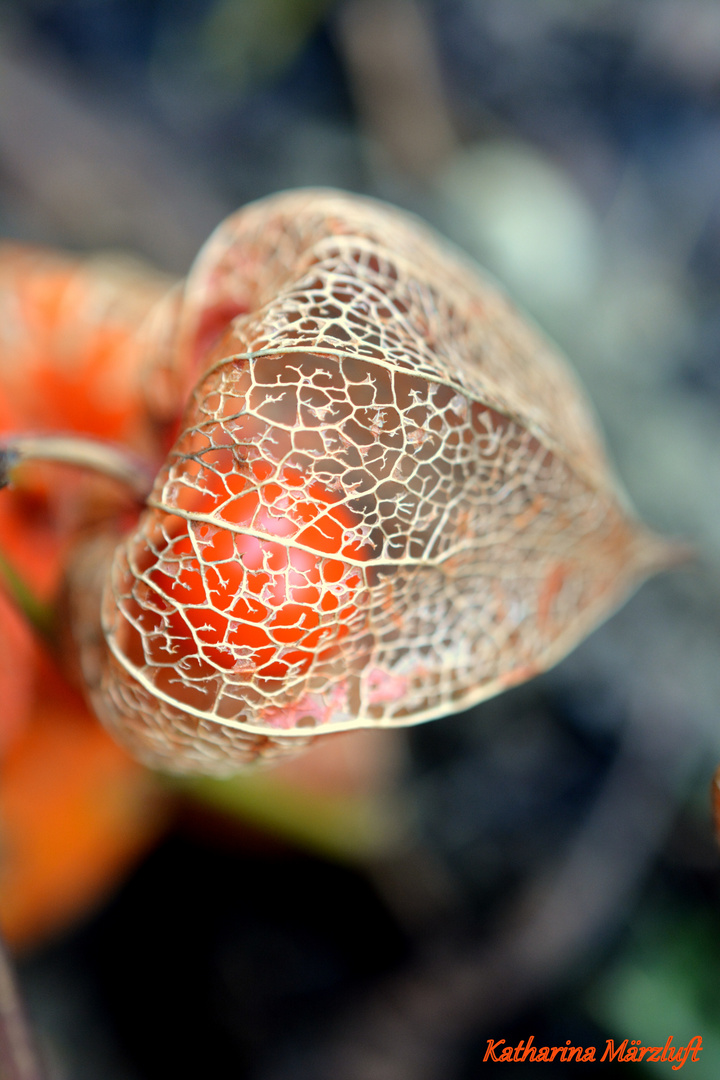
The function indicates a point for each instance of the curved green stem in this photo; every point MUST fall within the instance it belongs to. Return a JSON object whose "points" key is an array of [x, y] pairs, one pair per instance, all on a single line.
{"points": [[39, 615]]}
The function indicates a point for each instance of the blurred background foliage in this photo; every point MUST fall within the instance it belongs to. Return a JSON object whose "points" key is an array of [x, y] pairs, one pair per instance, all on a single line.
{"points": [[544, 864]]}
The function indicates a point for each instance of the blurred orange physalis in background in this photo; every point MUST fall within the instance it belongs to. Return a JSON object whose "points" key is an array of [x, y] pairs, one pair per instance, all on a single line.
{"points": [[75, 810]]}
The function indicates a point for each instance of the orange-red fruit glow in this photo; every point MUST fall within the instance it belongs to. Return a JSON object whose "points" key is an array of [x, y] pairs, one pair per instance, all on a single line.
{"points": [[250, 604]]}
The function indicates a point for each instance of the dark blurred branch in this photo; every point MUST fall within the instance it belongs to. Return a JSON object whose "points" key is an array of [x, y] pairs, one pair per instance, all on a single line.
{"points": [[18, 1059], [414, 1025], [396, 82], [98, 177]]}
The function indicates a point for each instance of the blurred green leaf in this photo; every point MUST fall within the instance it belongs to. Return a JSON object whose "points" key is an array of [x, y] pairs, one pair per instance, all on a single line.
{"points": [[666, 983], [342, 827]]}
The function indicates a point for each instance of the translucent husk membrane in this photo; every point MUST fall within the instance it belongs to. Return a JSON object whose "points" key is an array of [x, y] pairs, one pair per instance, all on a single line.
{"points": [[388, 500]]}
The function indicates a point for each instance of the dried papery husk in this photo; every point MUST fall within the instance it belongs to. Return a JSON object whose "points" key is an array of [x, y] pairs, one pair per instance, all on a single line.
{"points": [[388, 501]]}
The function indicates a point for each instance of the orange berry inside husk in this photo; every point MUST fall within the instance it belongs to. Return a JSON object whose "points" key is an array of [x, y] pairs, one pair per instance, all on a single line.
{"points": [[259, 592]]}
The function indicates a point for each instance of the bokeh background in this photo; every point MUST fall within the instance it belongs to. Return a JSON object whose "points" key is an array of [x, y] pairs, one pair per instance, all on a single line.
{"points": [[543, 864]]}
